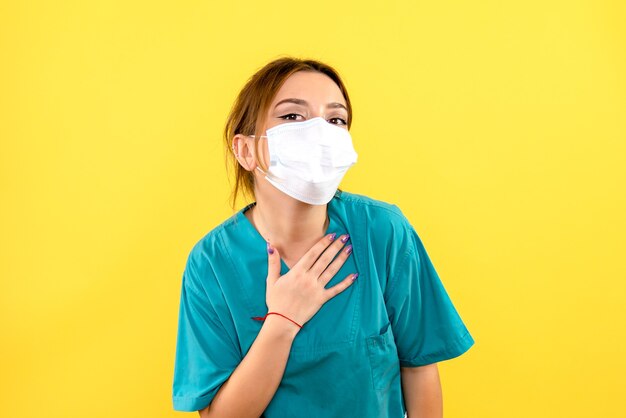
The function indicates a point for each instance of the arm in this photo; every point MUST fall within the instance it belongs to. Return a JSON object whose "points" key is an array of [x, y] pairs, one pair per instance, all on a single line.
{"points": [[252, 385], [421, 388]]}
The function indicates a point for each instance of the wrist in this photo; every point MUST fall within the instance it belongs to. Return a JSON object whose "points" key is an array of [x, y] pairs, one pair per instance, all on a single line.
{"points": [[281, 327]]}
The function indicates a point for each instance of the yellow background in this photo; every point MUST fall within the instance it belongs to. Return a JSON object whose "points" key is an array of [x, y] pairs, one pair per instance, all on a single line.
{"points": [[499, 128]]}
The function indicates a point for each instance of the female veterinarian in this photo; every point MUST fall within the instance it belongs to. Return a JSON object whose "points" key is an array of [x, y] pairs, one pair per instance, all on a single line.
{"points": [[311, 301]]}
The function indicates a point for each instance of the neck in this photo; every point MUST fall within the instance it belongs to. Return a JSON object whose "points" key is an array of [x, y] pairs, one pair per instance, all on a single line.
{"points": [[289, 224]]}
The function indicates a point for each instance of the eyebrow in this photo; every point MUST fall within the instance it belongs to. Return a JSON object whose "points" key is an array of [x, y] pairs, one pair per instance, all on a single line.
{"points": [[333, 105]]}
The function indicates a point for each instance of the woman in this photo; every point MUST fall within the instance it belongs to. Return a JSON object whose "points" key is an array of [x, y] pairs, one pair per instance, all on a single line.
{"points": [[310, 301]]}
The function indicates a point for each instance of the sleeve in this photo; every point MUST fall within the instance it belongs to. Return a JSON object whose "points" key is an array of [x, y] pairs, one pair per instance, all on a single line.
{"points": [[205, 354], [426, 326]]}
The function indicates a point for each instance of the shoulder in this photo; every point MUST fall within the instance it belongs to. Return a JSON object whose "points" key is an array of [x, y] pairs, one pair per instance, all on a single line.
{"points": [[379, 212], [385, 223], [199, 268], [210, 245]]}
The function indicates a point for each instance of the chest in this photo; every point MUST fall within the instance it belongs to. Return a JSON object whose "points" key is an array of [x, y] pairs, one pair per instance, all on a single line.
{"points": [[345, 319]]}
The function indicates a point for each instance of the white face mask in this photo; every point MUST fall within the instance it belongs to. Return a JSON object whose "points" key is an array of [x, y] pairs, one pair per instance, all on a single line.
{"points": [[309, 159]]}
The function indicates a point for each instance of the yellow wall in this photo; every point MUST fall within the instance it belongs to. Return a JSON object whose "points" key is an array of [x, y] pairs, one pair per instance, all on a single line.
{"points": [[498, 127]]}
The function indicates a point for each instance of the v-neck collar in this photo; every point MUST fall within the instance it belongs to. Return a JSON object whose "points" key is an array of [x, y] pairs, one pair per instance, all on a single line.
{"points": [[247, 225]]}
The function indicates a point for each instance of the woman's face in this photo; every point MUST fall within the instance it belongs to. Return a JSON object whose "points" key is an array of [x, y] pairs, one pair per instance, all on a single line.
{"points": [[303, 96]]}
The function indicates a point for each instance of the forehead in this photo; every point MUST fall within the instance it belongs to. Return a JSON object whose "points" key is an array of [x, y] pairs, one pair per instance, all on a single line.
{"points": [[314, 87]]}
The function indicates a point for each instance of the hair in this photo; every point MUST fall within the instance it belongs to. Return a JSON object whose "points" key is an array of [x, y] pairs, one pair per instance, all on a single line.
{"points": [[249, 112]]}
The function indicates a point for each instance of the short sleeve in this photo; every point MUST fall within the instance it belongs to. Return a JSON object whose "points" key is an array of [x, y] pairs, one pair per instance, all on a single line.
{"points": [[426, 326], [206, 354]]}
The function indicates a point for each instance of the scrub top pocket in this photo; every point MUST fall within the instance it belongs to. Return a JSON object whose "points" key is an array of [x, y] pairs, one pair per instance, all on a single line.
{"points": [[383, 357]]}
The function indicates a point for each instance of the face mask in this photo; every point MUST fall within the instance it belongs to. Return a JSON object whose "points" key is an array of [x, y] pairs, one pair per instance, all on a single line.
{"points": [[309, 159]]}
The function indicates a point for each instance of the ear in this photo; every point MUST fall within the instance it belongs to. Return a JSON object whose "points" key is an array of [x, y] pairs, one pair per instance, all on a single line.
{"points": [[243, 148]]}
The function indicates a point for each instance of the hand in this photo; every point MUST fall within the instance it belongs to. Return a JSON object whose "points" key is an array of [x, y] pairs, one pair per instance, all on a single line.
{"points": [[301, 292]]}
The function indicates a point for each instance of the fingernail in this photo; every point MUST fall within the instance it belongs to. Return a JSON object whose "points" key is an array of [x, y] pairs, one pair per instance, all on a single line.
{"points": [[345, 239], [269, 248], [349, 249], [332, 236], [355, 276]]}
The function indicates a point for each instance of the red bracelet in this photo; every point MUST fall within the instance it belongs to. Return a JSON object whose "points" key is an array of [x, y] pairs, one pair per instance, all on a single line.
{"points": [[261, 318]]}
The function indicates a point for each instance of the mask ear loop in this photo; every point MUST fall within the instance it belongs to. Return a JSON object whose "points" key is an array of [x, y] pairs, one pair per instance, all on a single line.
{"points": [[267, 174], [262, 136]]}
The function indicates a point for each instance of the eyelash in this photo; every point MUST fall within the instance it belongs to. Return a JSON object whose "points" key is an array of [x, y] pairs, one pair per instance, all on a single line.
{"points": [[286, 117]]}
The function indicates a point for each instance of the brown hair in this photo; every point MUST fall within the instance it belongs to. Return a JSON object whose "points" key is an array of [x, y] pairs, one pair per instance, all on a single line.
{"points": [[249, 112]]}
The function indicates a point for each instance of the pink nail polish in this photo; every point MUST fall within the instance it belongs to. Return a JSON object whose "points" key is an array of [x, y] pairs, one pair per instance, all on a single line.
{"points": [[269, 248], [349, 249], [355, 276]]}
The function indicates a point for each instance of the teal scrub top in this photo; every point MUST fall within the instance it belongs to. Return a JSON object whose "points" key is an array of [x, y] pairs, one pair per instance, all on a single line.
{"points": [[345, 361]]}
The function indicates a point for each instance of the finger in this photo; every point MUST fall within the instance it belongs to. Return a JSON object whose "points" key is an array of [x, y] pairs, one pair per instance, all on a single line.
{"points": [[340, 287], [335, 266], [324, 260], [314, 252], [273, 263]]}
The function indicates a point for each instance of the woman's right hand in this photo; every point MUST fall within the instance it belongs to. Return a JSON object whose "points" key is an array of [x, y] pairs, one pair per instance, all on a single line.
{"points": [[301, 292]]}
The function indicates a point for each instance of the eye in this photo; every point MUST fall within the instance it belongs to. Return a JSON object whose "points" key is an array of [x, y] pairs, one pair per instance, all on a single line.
{"points": [[337, 121], [290, 116]]}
